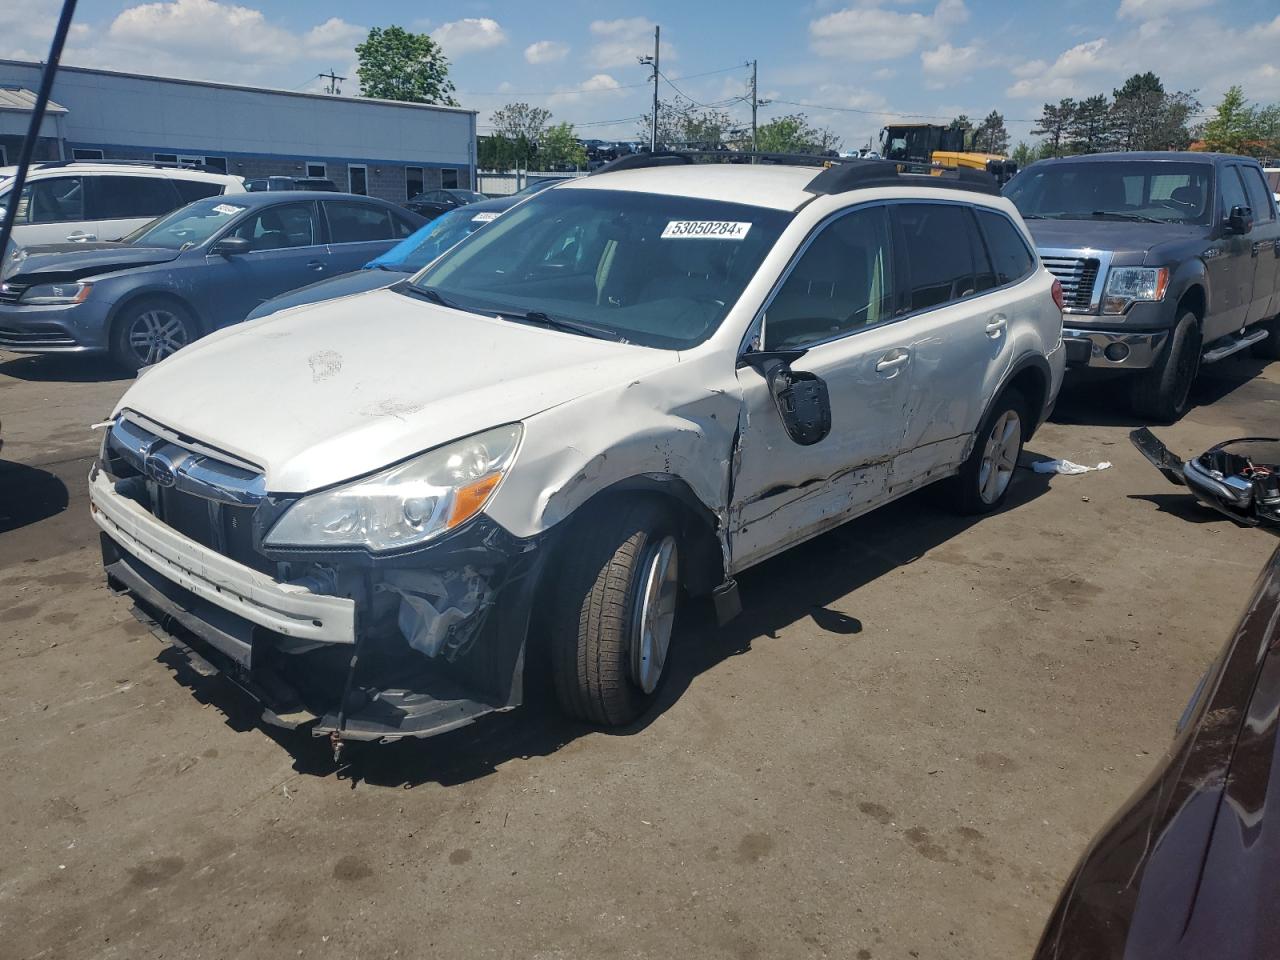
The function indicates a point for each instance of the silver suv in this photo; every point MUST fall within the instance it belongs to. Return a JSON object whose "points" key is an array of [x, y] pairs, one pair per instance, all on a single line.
{"points": [[636, 383]]}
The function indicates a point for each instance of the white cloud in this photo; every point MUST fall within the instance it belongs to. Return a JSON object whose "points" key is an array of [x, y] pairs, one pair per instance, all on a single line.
{"points": [[619, 42], [945, 64], [599, 86], [871, 32], [546, 51], [1150, 9], [461, 37], [1076, 71]]}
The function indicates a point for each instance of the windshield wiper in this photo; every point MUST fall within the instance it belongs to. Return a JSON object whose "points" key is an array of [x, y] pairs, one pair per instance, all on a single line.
{"points": [[561, 323], [432, 294], [1135, 217]]}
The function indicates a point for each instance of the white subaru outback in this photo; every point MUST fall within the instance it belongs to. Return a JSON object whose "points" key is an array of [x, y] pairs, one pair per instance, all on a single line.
{"points": [[631, 385]]}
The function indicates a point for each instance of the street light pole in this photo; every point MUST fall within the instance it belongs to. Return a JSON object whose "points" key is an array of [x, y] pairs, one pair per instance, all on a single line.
{"points": [[755, 103], [653, 126]]}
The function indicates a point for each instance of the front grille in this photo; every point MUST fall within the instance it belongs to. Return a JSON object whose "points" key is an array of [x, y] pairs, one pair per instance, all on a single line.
{"points": [[1078, 276], [219, 526], [36, 335], [12, 292]]}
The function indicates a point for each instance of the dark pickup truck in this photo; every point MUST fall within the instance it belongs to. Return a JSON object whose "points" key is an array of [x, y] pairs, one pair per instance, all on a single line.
{"points": [[1167, 261]]}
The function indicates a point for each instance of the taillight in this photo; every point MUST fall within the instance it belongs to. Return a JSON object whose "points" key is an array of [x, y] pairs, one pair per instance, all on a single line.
{"points": [[1057, 294]]}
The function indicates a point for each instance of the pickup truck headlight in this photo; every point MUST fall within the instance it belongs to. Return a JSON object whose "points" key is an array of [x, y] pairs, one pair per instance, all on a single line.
{"points": [[46, 294], [404, 505], [1128, 285]]}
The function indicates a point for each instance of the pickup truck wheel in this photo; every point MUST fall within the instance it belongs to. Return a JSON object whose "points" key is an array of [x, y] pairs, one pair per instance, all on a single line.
{"points": [[611, 632], [1162, 393], [149, 330], [1269, 349], [986, 476]]}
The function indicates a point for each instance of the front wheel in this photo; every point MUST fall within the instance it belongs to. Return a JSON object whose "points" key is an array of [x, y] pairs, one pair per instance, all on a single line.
{"points": [[986, 476], [148, 331], [616, 611], [1162, 394]]}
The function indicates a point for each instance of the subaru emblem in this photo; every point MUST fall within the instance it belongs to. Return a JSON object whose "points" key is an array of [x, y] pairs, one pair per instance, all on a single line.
{"points": [[159, 470]]}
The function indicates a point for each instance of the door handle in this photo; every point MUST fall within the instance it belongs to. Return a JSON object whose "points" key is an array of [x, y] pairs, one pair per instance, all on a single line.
{"points": [[996, 325], [892, 360], [80, 236], [316, 265]]}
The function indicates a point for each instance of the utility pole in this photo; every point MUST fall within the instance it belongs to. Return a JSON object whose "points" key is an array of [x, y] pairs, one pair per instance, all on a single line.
{"points": [[653, 130], [333, 78], [756, 104]]}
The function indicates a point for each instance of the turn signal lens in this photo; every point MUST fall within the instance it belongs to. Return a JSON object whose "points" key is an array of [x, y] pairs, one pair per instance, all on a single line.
{"points": [[468, 500], [1057, 294]]}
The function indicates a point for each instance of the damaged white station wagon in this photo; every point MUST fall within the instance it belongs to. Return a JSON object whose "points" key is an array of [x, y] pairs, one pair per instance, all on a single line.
{"points": [[637, 383]]}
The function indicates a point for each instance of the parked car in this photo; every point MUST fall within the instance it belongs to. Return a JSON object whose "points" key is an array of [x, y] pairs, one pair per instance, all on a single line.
{"points": [[80, 201], [408, 256], [259, 184], [1167, 261], [1186, 869], [432, 203], [200, 268], [639, 382]]}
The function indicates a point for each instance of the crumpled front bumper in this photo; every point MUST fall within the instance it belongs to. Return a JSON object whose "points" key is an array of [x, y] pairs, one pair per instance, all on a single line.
{"points": [[338, 665]]}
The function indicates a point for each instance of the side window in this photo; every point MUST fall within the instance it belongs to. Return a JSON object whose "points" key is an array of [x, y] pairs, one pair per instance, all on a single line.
{"points": [[403, 227], [1231, 189], [942, 252], [192, 190], [279, 227], [842, 282], [119, 198], [1259, 195], [351, 222], [56, 200], [1009, 254]]}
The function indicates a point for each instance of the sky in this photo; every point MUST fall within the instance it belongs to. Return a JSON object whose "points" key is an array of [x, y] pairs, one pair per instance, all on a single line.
{"points": [[851, 65]]}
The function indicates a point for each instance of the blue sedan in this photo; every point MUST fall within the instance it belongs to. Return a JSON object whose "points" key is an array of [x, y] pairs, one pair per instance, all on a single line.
{"points": [[199, 268], [407, 257]]}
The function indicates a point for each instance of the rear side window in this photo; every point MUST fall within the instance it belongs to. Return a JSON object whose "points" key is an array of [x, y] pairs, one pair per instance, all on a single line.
{"points": [[192, 190], [351, 222], [842, 282], [1259, 195], [944, 253], [120, 198], [1010, 257]]}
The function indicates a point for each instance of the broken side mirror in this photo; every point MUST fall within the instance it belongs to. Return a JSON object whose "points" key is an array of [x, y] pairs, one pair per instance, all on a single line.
{"points": [[1240, 222], [801, 397]]}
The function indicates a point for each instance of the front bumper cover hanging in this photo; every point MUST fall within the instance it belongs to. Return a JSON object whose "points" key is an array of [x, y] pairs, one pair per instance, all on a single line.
{"points": [[1239, 478]]}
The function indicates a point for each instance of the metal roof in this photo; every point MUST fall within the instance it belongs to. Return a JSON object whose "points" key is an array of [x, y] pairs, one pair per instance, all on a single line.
{"points": [[22, 100]]}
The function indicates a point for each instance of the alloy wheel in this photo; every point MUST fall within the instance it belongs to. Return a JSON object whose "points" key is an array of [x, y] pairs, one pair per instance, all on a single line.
{"points": [[1000, 456], [655, 614], [155, 334]]}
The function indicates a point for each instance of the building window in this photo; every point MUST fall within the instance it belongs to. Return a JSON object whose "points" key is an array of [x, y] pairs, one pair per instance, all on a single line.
{"points": [[412, 182], [358, 177], [165, 157], [85, 153], [315, 169], [216, 164], [449, 179]]}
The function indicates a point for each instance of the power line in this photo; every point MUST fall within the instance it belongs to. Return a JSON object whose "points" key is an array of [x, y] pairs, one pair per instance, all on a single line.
{"points": [[553, 93]]}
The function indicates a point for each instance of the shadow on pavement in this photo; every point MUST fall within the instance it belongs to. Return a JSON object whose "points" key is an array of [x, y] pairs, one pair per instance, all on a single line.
{"points": [[806, 581], [28, 495], [63, 368]]}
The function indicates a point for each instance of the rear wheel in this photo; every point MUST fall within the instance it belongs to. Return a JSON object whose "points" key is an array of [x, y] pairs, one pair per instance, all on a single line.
{"points": [[986, 476], [149, 330], [1162, 394], [611, 634]]}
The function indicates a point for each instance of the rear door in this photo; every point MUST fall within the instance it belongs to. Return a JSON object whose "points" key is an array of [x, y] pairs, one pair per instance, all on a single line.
{"points": [[286, 252], [1264, 244], [118, 205], [359, 232], [50, 210], [1230, 263]]}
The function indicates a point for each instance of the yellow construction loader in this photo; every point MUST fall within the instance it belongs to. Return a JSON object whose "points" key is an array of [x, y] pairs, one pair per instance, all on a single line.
{"points": [[930, 146]]}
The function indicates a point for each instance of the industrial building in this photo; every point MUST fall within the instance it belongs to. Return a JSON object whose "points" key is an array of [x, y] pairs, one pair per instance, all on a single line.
{"points": [[382, 148]]}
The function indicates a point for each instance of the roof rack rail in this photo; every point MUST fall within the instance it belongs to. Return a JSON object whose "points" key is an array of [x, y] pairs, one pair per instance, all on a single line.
{"points": [[840, 175], [164, 164]]}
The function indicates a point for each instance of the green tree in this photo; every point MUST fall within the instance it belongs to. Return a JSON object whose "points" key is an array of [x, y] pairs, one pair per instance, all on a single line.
{"points": [[963, 122], [1145, 117], [559, 148], [795, 134], [1090, 128], [683, 124], [517, 120], [991, 136], [1024, 154], [1238, 126], [395, 64], [1055, 121]]}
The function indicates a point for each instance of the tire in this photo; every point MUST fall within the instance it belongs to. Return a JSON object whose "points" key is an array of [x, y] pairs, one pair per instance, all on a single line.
{"points": [[148, 330], [1162, 394], [1269, 349], [985, 478], [599, 663]]}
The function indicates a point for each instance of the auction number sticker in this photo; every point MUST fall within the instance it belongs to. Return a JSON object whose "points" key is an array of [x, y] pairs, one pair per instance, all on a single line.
{"points": [[485, 217], [705, 230], [227, 209]]}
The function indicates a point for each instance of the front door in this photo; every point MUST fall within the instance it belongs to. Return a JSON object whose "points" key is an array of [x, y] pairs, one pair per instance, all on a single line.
{"points": [[1230, 263], [285, 253], [1264, 244], [839, 304]]}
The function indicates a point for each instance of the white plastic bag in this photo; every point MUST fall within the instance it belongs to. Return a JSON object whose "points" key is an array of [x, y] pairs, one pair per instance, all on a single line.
{"points": [[1066, 467]]}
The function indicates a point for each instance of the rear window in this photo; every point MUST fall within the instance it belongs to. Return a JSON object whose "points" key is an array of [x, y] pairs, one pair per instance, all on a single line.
{"points": [[193, 190], [120, 198], [351, 222], [1010, 257]]}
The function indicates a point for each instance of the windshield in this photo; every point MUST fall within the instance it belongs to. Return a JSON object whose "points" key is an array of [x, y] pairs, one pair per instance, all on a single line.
{"points": [[1154, 190], [187, 227], [656, 270], [415, 252]]}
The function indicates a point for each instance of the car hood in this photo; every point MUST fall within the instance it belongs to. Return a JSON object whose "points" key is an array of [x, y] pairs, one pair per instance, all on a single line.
{"points": [[1127, 240], [72, 261], [343, 285], [335, 390]]}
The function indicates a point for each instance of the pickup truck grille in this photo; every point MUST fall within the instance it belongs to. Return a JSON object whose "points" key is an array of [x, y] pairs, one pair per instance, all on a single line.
{"points": [[1078, 276]]}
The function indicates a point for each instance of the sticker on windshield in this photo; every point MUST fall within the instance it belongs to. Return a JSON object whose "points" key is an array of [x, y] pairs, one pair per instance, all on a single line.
{"points": [[227, 209], [485, 217], [706, 230]]}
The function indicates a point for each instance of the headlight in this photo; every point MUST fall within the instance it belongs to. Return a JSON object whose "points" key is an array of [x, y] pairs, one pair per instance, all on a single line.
{"points": [[1128, 285], [404, 505], [50, 293]]}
